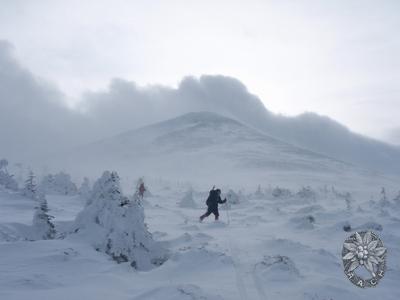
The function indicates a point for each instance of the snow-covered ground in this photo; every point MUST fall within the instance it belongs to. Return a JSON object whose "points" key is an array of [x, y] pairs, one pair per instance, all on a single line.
{"points": [[269, 246]]}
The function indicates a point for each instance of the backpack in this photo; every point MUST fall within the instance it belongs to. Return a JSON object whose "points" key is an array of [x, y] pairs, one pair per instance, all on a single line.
{"points": [[211, 195]]}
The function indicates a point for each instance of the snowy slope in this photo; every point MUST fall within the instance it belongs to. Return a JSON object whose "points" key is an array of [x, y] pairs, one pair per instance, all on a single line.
{"points": [[263, 248], [208, 146]]}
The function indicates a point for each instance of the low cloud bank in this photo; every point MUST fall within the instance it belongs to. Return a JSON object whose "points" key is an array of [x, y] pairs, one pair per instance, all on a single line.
{"points": [[34, 121]]}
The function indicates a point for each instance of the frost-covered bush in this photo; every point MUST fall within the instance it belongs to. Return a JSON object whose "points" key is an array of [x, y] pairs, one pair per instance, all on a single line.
{"points": [[346, 196], [259, 193], [58, 184], [115, 225], [187, 201], [6, 179], [232, 197], [279, 192], [29, 189], [383, 201], [84, 190], [306, 193], [43, 228], [396, 199]]}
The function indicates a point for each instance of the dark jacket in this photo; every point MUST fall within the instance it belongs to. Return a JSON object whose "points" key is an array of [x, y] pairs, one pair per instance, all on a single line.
{"points": [[213, 200]]}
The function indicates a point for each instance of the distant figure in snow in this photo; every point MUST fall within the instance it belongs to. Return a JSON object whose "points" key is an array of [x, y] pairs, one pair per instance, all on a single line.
{"points": [[214, 198], [142, 189]]}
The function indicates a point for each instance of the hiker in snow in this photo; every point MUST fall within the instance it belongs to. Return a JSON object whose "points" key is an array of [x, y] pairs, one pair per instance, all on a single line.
{"points": [[142, 189], [214, 198]]}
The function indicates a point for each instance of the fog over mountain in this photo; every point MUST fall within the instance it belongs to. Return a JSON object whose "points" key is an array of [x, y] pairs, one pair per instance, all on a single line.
{"points": [[34, 121]]}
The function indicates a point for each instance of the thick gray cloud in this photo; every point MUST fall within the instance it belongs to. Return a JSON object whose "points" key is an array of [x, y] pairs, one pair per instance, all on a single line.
{"points": [[33, 119], [393, 135], [125, 106]]}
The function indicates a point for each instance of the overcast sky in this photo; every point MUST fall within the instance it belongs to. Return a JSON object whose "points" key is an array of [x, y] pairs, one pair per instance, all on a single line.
{"points": [[336, 58]]}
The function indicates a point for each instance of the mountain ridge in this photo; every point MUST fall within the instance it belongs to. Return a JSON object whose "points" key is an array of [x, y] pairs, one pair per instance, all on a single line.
{"points": [[207, 146]]}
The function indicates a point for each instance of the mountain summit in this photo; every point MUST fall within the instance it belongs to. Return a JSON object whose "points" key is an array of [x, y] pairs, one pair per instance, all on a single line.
{"points": [[205, 145]]}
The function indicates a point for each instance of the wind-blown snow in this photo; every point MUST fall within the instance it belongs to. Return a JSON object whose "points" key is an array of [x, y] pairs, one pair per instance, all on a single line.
{"points": [[269, 247]]}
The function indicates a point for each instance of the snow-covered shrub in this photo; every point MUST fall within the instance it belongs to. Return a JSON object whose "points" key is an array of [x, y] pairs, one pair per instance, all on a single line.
{"points": [[29, 189], [383, 202], [346, 196], [347, 227], [6, 179], [3, 163], [58, 184], [348, 199], [232, 197], [259, 193], [306, 193], [115, 225], [396, 199], [278, 192], [43, 228], [84, 189], [187, 201]]}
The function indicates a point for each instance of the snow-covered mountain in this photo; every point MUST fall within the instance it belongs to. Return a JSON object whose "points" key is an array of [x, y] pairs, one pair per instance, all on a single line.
{"points": [[208, 146], [229, 97], [317, 133], [34, 120]]}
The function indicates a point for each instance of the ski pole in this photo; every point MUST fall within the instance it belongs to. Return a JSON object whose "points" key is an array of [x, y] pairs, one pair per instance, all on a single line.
{"points": [[227, 212]]}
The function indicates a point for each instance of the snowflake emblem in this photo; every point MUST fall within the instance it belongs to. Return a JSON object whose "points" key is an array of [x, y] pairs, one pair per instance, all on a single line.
{"points": [[364, 249]]}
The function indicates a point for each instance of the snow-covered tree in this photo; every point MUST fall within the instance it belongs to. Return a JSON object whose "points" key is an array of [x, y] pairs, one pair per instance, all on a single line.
{"points": [[29, 189], [115, 225], [396, 199], [187, 201], [383, 200], [259, 192], [232, 197], [6, 179], [279, 192], [59, 184], [306, 193], [348, 199], [43, 227], [3, 163], [84, 189]]}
